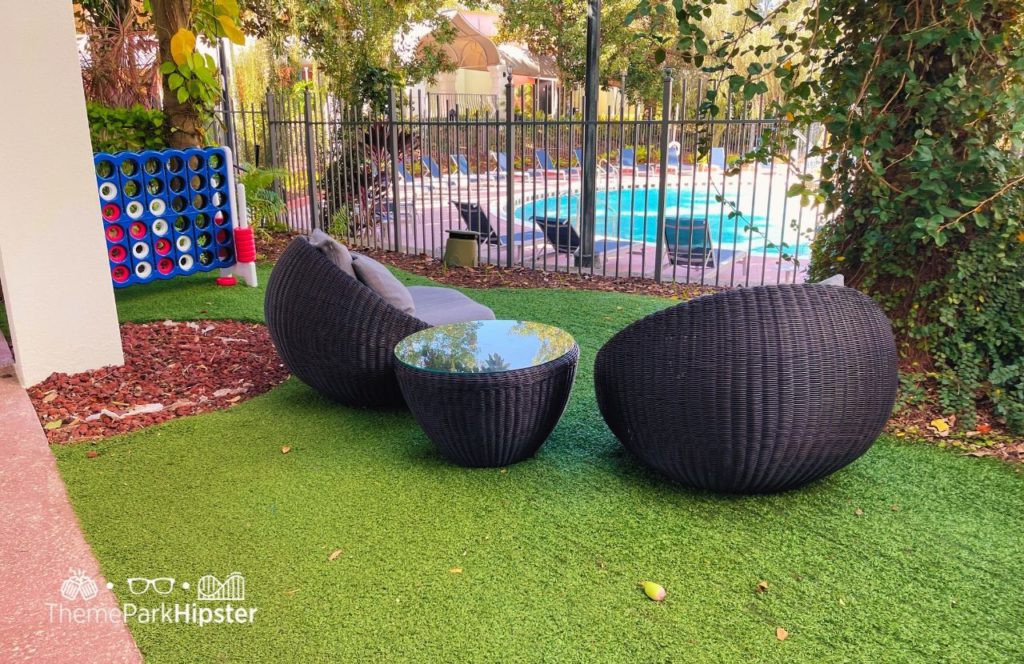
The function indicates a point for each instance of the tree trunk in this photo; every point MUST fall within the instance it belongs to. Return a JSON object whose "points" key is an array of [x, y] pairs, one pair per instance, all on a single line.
{"points": [[184, 128]]}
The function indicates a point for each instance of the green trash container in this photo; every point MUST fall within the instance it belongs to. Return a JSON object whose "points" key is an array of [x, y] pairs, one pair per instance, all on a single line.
{"points": [[462, 248]]}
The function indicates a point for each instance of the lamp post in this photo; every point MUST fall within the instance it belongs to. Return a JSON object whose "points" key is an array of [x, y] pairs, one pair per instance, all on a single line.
{"points": [[588, 195]]}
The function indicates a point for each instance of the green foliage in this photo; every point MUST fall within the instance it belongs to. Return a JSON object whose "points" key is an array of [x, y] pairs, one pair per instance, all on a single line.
{"points": [[353, 43], [118, 129], [262, 202], [924, 104]]}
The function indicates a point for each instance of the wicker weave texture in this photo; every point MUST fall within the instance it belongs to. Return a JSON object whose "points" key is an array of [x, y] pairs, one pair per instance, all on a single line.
{"points": [[489, 420], [332, 332], [751, 390]]}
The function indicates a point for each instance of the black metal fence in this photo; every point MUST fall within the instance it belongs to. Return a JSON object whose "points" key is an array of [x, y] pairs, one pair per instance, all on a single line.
{"points": [[672, 201]]}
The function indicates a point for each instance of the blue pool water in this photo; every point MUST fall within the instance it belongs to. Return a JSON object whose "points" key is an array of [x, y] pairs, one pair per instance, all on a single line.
{"points": [[633, 214]]}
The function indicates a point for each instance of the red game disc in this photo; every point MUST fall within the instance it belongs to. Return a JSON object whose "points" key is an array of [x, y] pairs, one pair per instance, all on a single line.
{"points": [[115, 233], [120, 274], [164, 265], [226, 281], [163, 246], [137, 230], [117, 253], [111, 212]]}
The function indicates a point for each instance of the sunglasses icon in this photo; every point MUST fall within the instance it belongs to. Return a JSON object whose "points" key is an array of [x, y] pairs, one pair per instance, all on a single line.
{"points": [[161, 586]]}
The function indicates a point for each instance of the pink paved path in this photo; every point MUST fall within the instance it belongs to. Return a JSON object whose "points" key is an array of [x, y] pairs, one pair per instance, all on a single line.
{"points": [[39, 542]]}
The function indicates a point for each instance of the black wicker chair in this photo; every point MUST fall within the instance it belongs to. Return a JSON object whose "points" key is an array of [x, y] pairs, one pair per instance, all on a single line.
{"points": [[334, 333], [751, 390]]}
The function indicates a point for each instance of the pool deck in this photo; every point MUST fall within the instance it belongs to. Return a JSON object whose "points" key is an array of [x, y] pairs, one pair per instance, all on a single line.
{"points": [[425, 213]]}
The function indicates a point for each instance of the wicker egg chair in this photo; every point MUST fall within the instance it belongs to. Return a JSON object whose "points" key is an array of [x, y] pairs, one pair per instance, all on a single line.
{"points": [[332, 332], [752, 390]]}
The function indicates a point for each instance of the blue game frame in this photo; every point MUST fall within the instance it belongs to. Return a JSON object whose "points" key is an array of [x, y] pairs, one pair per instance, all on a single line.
{"points": [[166, 213]]}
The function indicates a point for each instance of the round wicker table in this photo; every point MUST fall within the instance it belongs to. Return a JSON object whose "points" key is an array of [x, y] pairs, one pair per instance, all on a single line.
{"points": [[487, 393]]}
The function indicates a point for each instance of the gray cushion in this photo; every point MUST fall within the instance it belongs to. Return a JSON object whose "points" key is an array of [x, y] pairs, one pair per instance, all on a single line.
{"points": [[437, 306], [334, 250], [383, 283]]}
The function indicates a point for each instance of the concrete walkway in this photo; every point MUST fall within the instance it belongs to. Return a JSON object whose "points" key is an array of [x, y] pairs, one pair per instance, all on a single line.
{"points": [[40, 541]]}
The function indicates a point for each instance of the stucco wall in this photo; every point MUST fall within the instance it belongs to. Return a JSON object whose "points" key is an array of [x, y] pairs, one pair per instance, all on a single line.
{"points": [[53, 262]]}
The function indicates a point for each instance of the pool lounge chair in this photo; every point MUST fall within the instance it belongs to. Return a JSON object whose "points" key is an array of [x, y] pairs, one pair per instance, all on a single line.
{"points": [[716, 158], [406, 176], [578, 153], [434, 170], [688, 243], [627, 162], [501, 159], [561, 235], [462, 164], [476, 220], [549, 167]]}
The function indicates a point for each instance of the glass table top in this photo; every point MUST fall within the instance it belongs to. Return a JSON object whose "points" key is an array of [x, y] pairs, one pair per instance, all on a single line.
{"points": [[483, 346]]}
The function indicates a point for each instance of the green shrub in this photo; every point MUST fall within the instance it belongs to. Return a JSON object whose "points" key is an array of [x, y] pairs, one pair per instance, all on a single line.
{"points": [[262, 203], [115, 129]]}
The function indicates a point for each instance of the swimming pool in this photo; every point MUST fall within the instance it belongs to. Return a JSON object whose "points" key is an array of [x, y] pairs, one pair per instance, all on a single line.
{"points": [[633, 214]]}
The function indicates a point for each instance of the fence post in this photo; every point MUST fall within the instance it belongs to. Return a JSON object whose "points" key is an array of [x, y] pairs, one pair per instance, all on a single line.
{"points": [[271, 159], [314, 217], [393, 149], [509, 145], [666, 103]]}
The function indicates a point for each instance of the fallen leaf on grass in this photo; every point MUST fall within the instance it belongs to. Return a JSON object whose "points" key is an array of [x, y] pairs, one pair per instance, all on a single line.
{"points": [[654, 591], [92, 454], [762, 587], [285, 449], [858, 512], [781, 634], [456, 570], [334, 555], [895, 508]]}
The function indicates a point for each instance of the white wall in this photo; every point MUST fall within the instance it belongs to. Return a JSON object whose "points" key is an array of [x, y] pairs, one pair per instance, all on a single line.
{"points": [[53, 262]]}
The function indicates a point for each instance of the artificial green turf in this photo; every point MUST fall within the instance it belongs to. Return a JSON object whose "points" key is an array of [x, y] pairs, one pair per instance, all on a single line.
{"points": [[551, 549]]}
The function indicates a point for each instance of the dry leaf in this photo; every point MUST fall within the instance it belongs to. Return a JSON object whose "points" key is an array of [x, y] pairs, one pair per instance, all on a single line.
{"points": [[762, 587], [984, 428], [92, 454], [858, 512], [50, 396], [53, 424], [334, 555], [940, 426], [781, 634], [285, 449], [895, 508], [456, 570]]}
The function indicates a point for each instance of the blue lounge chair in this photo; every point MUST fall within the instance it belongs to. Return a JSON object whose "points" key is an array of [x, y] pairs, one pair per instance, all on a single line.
{"points": [[578, 153], [476, 220], [561, 234], [462, 164], [548, 166], [688, 242], [717, 158], [627, 159], [434, 170], [408, 178], [503, 167]]}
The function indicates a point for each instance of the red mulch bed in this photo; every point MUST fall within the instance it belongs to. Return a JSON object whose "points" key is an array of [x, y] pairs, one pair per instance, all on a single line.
{"points": [[171, 369]]}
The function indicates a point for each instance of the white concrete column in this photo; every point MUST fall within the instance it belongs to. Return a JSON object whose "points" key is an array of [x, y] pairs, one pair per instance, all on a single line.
{"points": [[53, 262]]}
